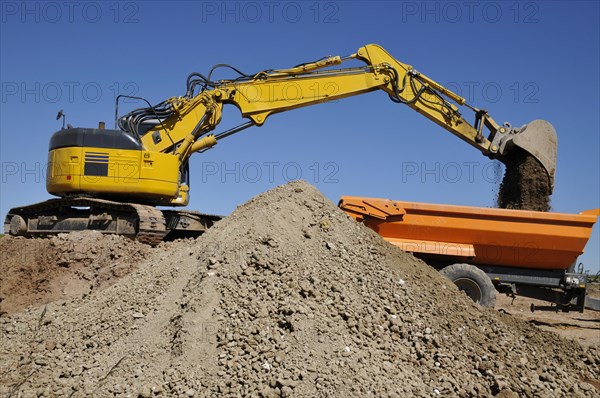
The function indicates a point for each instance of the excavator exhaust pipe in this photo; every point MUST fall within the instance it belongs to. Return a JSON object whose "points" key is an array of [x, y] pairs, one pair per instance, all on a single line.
{"points": [[538, 138]]}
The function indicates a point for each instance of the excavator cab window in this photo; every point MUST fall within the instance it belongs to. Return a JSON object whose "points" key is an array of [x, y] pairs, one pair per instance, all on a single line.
{"points": [[185, 174], [144, 128]]}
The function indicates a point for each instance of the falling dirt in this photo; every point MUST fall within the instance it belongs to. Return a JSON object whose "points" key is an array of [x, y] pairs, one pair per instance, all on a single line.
{"points": [[287, 296], [525, 185]]}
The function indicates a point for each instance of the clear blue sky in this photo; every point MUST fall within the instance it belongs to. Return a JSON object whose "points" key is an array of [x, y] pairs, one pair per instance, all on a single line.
{"points": [[520, 60]]}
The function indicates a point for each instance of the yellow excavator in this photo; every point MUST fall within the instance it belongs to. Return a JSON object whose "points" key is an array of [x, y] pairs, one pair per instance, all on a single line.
{"points": [[111, 180]]}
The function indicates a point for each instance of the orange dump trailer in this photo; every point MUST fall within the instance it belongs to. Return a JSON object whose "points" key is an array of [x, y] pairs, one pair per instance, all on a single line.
{"points": [[522, 252]]}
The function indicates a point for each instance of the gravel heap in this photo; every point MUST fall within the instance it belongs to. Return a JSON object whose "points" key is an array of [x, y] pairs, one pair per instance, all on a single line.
{"points": [[39, 271], [285, 297]]}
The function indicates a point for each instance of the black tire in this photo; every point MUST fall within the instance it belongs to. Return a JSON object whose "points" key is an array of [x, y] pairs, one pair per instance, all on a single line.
{"points": [[473, 281]]}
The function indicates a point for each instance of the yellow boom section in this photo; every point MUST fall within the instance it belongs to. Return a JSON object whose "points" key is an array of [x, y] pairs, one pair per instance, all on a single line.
{"points": [[190, 119], [282, 90]]}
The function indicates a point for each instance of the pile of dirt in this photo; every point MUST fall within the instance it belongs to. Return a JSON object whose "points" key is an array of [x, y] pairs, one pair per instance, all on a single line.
{"points": [[39, 271], [285, 297], [525, 185]]}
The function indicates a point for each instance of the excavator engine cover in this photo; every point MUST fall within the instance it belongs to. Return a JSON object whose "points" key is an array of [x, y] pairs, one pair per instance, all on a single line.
{"points": [[538, 138]]}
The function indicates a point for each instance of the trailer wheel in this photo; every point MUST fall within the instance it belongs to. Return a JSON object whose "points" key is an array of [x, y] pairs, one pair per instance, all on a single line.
{"points": [[473, 281]]}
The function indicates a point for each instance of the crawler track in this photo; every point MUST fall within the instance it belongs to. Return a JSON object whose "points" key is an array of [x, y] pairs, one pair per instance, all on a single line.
{"points": [[144, 223]]}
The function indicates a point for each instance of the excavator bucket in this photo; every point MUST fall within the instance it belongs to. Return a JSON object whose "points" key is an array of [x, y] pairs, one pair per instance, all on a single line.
{"points": [[538, 138]]}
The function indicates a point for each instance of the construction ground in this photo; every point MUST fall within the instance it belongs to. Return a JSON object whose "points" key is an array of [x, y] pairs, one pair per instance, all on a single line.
{"points": [[287, 296]]}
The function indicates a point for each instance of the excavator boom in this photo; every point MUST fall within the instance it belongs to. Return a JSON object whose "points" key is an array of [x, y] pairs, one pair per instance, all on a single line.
{"points": [[119, 175], [260, 95]]}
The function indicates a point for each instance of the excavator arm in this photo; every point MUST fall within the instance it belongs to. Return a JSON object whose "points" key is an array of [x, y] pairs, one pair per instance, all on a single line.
{"points": [[187, 122], [111, 180]]}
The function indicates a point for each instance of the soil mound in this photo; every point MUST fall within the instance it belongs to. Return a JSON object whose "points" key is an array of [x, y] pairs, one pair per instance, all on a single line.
{"points": [[39, 271], [285, 297]]}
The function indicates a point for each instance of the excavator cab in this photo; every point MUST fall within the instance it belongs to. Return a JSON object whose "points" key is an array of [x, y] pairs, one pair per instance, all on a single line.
{"points": [[110, 164]]}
